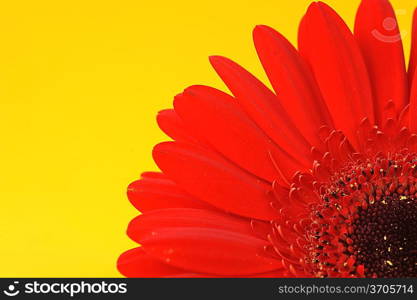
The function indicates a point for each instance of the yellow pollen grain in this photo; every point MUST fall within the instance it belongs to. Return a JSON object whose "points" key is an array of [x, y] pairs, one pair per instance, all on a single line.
{"points": [[385, 237], [388, 262], [403, 197]]}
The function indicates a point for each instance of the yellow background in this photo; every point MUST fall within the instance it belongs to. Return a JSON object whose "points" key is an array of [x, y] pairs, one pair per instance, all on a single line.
{"points": [[80, 85]]}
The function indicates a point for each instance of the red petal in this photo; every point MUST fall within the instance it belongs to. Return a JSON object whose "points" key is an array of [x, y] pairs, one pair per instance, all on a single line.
{"points": [[413, 56], [413, 107], [263, 107], [283, 273], [379, 38], [216, 116], [211, 178], [210, 251], [154, 175], [136, 263], [173, 126], [186, 217], [156, 192], [404, 116], [330, 49], [293, 82]]}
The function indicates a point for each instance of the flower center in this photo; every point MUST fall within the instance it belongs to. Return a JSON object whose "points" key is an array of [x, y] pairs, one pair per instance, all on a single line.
{"points": [[366, 225], [385, 237]]}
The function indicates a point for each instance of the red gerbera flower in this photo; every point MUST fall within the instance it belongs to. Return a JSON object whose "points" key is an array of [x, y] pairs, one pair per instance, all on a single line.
{"points": [[315, 179]]}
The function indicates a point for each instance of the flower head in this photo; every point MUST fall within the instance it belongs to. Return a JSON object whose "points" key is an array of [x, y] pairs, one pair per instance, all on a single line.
{"points": [[317, 178]]}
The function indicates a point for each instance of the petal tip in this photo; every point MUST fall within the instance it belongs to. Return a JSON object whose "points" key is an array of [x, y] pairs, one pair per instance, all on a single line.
{"points": [[216, 59], [260, 28], [262, 31]]}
